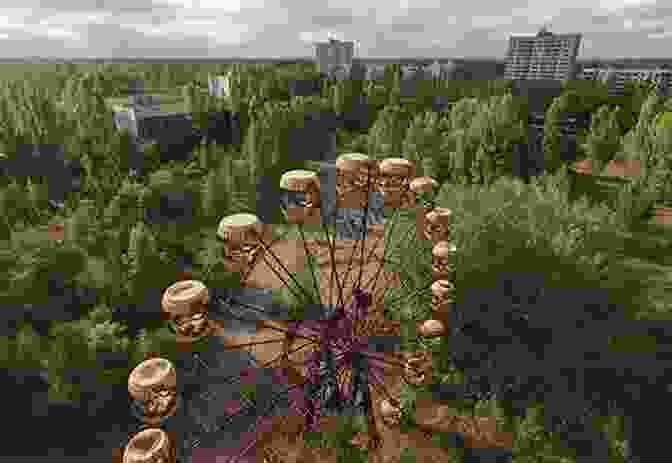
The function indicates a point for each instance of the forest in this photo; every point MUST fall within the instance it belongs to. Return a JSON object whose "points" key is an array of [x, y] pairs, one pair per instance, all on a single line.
{"points": [[563, 285]]}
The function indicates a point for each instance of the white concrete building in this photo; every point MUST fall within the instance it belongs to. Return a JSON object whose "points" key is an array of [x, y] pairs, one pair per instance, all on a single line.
{"points": [[616, 78], [375, 71], [333, 55], [544, 56], [220, 86]]}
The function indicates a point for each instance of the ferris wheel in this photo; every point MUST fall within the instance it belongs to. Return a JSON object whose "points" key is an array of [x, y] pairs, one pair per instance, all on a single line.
{"points": [[335, 356]]}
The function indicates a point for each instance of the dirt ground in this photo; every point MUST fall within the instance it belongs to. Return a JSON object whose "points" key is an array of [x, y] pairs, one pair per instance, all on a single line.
{"points": [[287, 447], [662, 216]]}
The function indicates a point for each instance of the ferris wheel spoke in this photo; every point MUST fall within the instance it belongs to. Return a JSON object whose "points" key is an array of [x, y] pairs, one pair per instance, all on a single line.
{"points": [[295, 398], [332, 276], [350, 262], [380, 294], [383, 261], [379, 385], [363, 245], [306, 329], [293, 333], [311, 260], [267, 250], [274, 326], [365, 227], [284, 281], [383, 360], [370, 254], [301, 363], [285, 354], [254, 427], [413, 293], [345, 381], [252, 344], [387, 234]]}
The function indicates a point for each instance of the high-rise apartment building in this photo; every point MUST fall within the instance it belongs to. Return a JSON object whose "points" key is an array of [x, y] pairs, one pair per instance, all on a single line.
{"points": [[543, 56], [334, 56], [616, 78]]}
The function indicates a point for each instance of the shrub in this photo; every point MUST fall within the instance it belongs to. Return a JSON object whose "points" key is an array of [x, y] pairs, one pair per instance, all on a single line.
{"points": [[539, 287], [539, 214], [386, 137], [603, 139]]}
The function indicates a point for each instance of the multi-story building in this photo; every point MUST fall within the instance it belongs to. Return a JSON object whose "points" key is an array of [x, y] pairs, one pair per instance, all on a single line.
{"points": [[616, 78], [334, 57], [220, 86], [447, 70], [144, 119], [375, 71], [543, 56]]}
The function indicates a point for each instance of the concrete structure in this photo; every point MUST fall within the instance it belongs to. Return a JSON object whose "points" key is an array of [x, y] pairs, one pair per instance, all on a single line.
{"points": [[544, 56], [142, 116], [442, 70], [375, 71], [219, 86], [616, 78], [148, 123], [334, 56], [539, 93]]}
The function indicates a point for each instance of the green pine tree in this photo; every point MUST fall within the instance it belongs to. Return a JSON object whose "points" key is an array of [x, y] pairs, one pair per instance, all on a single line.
{"points": [[218, 190], [81, 227], [142, 254], [423, 140], [603, 140], [17, 204], [5, 231], [650, 108], [552, 135], [386, 137]]}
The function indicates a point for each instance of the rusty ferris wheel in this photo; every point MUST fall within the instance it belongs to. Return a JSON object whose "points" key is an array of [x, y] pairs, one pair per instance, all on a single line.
{"points": [[326, 364]]}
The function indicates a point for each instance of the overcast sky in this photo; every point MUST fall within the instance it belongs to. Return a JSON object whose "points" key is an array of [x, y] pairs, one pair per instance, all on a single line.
{"points": [[285, 28]]}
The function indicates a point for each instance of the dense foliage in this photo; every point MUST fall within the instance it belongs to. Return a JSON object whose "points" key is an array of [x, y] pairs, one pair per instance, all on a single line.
{"points": [[535, 267]]}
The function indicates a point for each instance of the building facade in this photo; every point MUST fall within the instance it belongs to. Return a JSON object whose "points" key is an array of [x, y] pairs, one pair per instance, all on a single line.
{"points": [[544, 56], [375, 71], [449, 70], [616, 78], [334, 56], [219, 86]]}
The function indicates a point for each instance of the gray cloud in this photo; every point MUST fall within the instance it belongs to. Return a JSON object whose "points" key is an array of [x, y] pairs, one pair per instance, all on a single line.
{"points": [[331, 20], [112, 6], [657, 10], [275, 27], [407, 28], [658, 30], [601, 19]]}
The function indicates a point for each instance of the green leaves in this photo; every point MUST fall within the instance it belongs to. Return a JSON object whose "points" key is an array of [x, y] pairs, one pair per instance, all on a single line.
{"points": [[386, 137], [81, 227], [219, 190], [423, 140], [540, 214], [160, 340], [296, 298], [408, 397], [248, 392], [346, 428], [603, 140], [141, 260], [23, 350], [552, 135]]}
